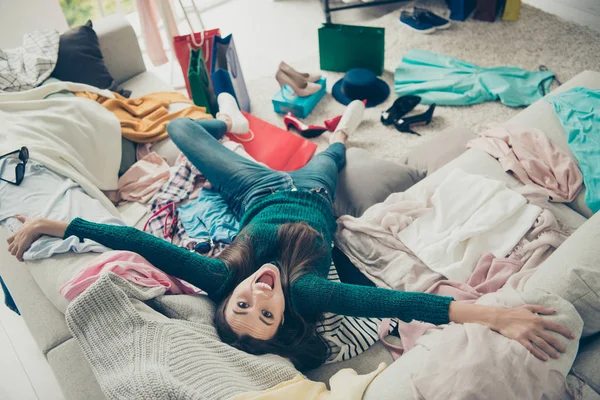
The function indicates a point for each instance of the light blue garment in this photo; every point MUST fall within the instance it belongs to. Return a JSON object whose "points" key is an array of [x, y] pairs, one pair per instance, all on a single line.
{"points": [[209, 216], [579, 112], [46, 194], [451, 82]]}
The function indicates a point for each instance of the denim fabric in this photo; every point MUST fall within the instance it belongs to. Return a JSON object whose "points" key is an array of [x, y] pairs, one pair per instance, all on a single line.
{"points": [[241, 181]]}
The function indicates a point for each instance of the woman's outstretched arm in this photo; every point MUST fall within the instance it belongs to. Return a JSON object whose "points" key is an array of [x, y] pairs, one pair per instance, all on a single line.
{"points": [[206, 273], [312, 293]]}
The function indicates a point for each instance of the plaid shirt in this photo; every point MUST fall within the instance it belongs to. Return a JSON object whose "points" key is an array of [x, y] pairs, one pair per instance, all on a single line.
{"points": [[183, 183], [177, 189]]}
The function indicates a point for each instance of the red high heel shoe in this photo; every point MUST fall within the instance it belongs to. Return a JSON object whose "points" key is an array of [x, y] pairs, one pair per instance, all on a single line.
{"points": [[332, 123], [307, 131]]}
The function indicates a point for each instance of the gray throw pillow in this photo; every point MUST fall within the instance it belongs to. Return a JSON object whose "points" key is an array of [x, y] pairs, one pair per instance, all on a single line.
{"points": [[434, 154], [572, 272], [368, 180]]}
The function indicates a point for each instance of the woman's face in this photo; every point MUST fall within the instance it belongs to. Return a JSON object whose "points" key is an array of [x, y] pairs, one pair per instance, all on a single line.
{"points": [[256, 305]]}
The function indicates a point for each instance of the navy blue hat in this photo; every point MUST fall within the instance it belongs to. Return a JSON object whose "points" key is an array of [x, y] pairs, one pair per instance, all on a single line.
{"points": [[360, 84]]}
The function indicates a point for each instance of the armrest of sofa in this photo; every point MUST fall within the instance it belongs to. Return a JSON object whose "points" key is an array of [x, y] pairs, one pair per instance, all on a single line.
{"points": [[120, 47]]}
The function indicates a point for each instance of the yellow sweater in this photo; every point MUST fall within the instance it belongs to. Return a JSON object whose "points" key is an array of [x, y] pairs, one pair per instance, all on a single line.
{"points": [[145, 119]]}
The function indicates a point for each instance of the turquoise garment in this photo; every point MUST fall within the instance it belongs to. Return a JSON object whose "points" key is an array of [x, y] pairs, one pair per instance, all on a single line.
{"points": [[579, 112], [451, 82], [209, 216]]}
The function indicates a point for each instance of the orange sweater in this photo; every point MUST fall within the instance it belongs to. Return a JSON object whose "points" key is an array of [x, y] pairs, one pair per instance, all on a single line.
{"points": [[145, 119]]}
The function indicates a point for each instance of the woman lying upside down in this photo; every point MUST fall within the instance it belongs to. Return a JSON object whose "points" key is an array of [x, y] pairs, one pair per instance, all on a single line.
{"points": [[270, 285]]}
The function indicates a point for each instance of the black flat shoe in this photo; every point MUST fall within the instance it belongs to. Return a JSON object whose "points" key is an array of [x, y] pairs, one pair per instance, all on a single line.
{"points": [[406, 124], [402, 106]]}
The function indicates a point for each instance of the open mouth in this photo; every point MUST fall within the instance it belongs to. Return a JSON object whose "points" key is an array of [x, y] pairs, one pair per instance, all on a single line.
{"points": [[266, 280]]}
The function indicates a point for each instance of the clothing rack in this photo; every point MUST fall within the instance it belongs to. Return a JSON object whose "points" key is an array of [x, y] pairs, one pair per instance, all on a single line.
{"points": [[338, 5]]}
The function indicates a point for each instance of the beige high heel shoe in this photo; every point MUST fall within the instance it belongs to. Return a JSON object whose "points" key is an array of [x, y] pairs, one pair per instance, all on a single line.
{"points": [[288, 69], [301, 87]]}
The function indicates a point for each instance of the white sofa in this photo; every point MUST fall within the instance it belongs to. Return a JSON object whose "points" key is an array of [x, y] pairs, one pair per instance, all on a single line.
{"points": [[34, 284]]}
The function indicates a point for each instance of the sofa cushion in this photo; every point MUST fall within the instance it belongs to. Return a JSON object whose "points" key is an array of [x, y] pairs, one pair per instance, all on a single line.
{"points": [[541, 115], [368, 180], [74, 373], [80, 59], [434, 154], [364, 363], [120, 47], [46, 323], [573, 273]]}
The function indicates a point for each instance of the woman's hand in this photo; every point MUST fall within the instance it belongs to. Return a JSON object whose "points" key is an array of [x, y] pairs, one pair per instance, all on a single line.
{"points": [[526, 326], [522, 324], [31, 230]]}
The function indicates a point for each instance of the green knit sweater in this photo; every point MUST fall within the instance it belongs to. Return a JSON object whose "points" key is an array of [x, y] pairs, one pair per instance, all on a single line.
{"points": [[310, 294]]}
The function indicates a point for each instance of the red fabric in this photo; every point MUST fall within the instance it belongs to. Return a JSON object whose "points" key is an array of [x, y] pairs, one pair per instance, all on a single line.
{"points": [[182, 44], [278, 149]]}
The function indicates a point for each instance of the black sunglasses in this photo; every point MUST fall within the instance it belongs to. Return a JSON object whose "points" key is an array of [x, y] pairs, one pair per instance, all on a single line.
{"points": [[20, 167]]}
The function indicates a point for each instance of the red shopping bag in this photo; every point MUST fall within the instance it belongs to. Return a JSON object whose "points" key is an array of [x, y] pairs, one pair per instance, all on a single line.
{"points": [[200, 40], [277, 148]]}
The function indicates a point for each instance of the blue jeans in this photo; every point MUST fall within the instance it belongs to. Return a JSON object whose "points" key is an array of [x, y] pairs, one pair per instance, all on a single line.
{"points": [[241, 181]]}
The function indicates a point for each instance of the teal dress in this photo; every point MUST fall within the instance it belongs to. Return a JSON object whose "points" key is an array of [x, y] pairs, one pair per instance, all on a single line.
{"points": [[451, 82], [579, 112]]}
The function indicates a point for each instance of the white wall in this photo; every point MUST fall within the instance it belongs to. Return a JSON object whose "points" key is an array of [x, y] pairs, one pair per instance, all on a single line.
{"points": [[18, 17]]}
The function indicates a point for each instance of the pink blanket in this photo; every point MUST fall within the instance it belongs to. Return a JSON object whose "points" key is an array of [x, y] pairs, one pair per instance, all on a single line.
{"points": [[533, 159], [128, 265]]}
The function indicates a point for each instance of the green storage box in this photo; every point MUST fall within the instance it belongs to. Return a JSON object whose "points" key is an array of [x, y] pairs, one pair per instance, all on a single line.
{"points": [[343, 47]]}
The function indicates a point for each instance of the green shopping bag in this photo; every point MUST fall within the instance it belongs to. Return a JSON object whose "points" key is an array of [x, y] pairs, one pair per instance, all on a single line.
{"points": [[203, 93], [343, 47]]}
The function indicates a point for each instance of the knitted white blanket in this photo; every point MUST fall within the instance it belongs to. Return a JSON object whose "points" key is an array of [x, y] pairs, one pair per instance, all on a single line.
{"points": [[136, 355]]}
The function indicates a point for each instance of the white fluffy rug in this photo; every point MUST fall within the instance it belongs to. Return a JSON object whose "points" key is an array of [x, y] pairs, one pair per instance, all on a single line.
{"points": [[537, 38]]}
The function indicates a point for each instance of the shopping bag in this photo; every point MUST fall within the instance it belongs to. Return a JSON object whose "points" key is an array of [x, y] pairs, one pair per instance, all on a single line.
{"points": [[486, 10], [343, 47], [511, 10], [277, 148], [461, 9], [226, 72], [201, 88], [184, 44]]}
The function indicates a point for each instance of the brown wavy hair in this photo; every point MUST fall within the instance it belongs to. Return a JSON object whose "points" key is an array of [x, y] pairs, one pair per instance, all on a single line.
{"points": [[299, 247]]}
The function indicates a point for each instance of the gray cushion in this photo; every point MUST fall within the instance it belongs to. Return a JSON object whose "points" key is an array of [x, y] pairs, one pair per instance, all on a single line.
{"points": [[128, 156], [46, 323], [368, 180], [363, 363], [573, 273], [434, 154], [73, 372], [120, 48], [587, 363]]}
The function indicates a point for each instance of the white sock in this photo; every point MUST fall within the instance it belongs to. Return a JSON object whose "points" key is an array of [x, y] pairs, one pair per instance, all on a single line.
{"points": [[352, 117], [228, 106]]}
